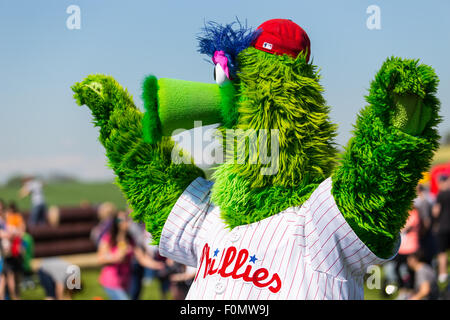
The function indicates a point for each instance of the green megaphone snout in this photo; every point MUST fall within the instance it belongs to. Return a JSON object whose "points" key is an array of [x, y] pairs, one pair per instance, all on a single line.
{"points": [[176, 104]]}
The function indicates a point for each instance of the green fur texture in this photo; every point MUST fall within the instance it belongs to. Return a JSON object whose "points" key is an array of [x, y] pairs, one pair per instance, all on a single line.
{"points": [[176, 104], [151, 124], [151, 182], [275, 92], [393, 144]]}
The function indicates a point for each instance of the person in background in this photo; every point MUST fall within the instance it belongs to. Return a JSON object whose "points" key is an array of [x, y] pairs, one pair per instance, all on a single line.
{"points": [[115, 251], [409, 244], [3, 239], [105, 213], [145, 261], [142, 259], [425, 284], [163, 275], [2, 281], [34, 188], [181, 279], [53, 276], [27, 257], [137, 270], [12, 266], [2, 214], [441, 212], [427, 241]]}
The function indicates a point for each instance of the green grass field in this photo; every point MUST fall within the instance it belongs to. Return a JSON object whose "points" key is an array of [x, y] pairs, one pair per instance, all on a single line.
{"points": [[70, 194]]}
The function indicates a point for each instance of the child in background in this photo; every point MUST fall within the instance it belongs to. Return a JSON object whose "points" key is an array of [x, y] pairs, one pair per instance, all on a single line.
{"points": [[34, 188]]}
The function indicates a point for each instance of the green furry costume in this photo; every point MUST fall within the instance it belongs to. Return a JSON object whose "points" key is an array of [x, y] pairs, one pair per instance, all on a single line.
{"points": [[373, 182]]}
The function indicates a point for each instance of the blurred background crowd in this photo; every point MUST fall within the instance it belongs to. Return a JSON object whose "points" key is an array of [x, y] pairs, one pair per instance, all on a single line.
{"points": [[95, 251], [39, 247], [420, 269]]}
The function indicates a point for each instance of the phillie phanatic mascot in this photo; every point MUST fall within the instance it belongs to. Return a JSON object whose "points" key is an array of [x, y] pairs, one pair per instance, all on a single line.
{"points": [[284, 216]]}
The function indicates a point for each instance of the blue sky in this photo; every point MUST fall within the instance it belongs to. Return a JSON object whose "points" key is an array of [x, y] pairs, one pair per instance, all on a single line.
{"points": [[42, 130]]}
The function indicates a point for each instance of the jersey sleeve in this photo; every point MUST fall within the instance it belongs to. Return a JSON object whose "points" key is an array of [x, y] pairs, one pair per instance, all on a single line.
{"points": [[331, 244], [184, 227]]}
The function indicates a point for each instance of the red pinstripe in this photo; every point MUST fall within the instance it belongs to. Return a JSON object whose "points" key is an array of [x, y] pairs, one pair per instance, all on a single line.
{"points": [[192, 226], [344, 223], [195, 206], [359, 260], [318, 196], [184, 209], [329, 223], [326, 211], [240, 246], [254, 231], [323, 244], [347, 259], [309, 285], [315, 229], [282, 259], [262, 236], [326, 287], [264, 232], [278, 245], [332, 289], [340, 290], [293, 277], [311, 246], [287, 264], [317, 284], [176, 225], [301, 282], [333, 250]]}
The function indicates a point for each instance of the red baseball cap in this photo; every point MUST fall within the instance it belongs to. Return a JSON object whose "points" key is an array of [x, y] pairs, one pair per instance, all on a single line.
{"points": [[282, 36]]}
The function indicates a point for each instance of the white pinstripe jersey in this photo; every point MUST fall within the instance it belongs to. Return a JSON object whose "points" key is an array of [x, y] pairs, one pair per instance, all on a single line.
{"points": [[306, 252]]}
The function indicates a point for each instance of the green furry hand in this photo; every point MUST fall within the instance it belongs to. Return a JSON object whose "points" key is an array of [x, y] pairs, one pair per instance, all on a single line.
{"points": [[151, 182], [405, 85], [411, 116], [393, 144], [103, 96]]}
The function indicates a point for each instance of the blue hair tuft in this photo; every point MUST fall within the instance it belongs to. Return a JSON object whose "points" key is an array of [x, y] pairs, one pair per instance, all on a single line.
{"points": [[231, 38]]}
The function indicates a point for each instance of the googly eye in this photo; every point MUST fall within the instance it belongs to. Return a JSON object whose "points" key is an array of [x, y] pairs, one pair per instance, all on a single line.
{"points": [[219, 75]]}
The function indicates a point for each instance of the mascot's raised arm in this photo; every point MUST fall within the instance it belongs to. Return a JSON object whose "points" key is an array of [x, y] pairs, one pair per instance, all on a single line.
{"points": [[305, 226]]}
